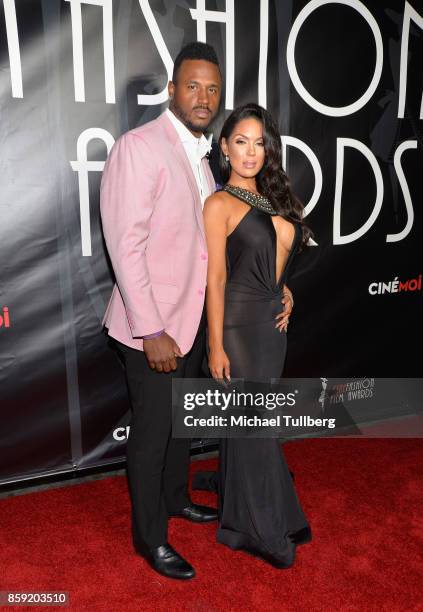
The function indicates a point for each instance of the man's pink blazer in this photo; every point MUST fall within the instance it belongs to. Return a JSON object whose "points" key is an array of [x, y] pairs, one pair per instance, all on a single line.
{"points": [[153, 226]]}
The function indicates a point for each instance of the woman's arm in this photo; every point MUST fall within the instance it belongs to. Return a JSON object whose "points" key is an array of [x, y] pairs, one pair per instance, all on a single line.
{"points": [[216, 225]]}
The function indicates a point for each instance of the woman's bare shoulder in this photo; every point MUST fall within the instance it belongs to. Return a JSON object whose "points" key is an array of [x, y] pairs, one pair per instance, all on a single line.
{"points": [[217, 204]]}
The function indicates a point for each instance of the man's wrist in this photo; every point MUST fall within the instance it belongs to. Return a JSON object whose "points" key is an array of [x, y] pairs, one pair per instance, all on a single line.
{"points": [[152, 336]]}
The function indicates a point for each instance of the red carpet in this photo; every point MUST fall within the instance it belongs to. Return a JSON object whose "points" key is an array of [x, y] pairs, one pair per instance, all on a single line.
{"points": [[363, 499]]}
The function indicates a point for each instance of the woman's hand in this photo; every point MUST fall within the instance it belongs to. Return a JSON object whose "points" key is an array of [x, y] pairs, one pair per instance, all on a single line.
{"points": [[288, 304], [219, 364]]}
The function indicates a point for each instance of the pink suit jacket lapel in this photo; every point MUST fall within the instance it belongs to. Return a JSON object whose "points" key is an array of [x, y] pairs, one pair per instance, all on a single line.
{"points": [[209, 175], [182, 158]]}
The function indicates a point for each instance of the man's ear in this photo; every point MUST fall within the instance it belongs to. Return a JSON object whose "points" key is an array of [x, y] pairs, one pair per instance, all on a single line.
{"points": [[171, 89]]}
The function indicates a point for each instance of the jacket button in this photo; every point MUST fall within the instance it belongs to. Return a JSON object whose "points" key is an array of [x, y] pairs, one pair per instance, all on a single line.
{"points": [[203, 256], [201, 292]]}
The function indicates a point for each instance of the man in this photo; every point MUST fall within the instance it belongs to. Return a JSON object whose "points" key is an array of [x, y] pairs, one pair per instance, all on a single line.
{"points": [[154, 185]]}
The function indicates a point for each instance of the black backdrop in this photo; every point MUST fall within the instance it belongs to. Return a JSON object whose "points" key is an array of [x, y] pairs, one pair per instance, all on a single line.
{"points": [[344, 81]]}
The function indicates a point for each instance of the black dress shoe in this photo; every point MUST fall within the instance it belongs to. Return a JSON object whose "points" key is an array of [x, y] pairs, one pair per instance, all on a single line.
{"points": [[197, 513], [165, 560]]}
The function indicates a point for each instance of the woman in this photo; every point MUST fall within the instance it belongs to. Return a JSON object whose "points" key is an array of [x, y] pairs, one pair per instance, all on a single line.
{"points": [[254, 228]]}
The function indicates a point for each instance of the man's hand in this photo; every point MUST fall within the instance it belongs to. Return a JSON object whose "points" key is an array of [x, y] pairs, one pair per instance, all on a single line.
{"points": [[161, 353], [288, 303]]}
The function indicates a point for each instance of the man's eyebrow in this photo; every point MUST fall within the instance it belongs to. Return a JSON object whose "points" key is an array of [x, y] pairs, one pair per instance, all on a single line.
{"points": [[198, 83]]}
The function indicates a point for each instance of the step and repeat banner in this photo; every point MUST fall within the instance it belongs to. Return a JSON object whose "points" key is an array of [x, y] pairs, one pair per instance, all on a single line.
{"points": [[344, 81]]}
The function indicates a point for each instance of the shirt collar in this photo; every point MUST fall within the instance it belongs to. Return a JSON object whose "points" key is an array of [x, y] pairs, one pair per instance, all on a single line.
{"points": [[200, 145]]}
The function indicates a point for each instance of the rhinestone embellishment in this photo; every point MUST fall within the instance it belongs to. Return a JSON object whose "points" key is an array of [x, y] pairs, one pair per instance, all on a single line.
{"points": [[253, 199]]}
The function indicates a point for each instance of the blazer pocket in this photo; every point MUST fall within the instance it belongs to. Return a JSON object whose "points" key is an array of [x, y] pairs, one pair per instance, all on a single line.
{"points": [[165, 293]]}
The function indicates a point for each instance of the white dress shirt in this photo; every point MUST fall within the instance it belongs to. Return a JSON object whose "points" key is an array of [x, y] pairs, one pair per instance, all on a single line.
{"points": [[196, 149]]}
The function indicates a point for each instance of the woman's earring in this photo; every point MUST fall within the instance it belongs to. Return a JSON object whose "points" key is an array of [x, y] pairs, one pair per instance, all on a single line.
{"points": [[227, 158]]}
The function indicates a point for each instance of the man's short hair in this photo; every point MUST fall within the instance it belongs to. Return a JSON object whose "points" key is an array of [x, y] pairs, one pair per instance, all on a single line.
{"points": [[194, 51]]}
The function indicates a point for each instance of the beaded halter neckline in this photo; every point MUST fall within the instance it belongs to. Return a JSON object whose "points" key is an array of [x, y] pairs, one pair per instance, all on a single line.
{"points": [[249, 197]]}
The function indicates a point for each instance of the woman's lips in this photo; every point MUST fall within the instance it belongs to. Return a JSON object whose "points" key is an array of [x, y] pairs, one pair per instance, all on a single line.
{"points": [[249, 164]]}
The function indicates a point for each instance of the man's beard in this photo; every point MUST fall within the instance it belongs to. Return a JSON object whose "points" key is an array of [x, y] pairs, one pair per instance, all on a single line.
{"points": [[185, 120]]}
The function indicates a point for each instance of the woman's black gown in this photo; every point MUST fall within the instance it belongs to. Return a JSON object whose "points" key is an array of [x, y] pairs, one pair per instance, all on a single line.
{"points": [[258, 507]]}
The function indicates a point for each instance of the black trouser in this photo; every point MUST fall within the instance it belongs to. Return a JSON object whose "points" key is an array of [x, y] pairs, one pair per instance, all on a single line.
{"points": [[157, 464]]}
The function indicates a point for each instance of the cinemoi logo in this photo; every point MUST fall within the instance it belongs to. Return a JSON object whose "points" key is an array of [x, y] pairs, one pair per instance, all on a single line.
{"points": [[4, 317], [396, 286]]}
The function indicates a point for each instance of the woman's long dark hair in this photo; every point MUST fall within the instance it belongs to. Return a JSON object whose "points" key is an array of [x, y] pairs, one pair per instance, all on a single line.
{"points": [[272, 181]]}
